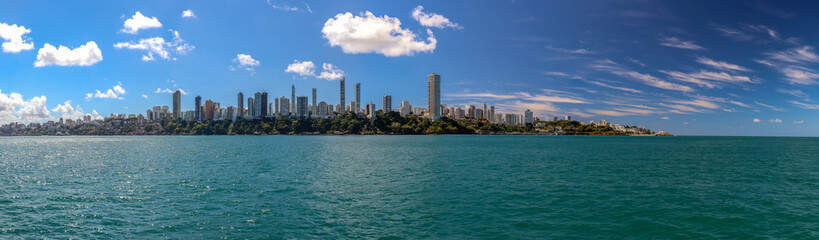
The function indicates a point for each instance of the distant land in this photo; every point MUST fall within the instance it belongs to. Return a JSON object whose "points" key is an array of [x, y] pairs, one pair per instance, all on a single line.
{"points": [[346, 124]]}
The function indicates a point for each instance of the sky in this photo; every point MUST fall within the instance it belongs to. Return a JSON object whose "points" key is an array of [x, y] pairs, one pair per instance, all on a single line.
{"points": [[687, 67]]}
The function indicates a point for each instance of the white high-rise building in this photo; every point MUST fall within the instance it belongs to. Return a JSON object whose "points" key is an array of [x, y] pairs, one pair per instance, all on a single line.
{"points": [[406, 108]]}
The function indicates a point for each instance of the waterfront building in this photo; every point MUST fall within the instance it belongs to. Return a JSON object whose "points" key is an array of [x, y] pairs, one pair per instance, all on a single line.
{"points": [[301, 110], [285, 106], [491, 114], [251, 107], [528, 116], [177, 105], [209, 110], [231, 113], [293, 98], [240, 105], [406, 108], [434, 87], [322, 109], [484, 112], [341, 103], [371, 110], [386, 103], [470, 111], [263, 106], [276, 106], [568, 117], [357, 104], [198, 109]]}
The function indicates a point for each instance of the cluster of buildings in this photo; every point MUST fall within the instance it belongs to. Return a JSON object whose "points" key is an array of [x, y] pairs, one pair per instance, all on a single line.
{"points": [[260, 105]]}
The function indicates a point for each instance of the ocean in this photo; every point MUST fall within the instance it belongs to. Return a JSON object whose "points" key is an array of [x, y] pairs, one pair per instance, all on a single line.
{"points": [[409, 187]]}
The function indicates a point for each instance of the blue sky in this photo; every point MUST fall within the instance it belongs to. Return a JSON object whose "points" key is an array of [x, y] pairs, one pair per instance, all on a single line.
{"points": [[688, 67]]}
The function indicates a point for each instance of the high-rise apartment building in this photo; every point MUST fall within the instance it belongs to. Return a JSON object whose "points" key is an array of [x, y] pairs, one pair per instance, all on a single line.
{"points": [[313, 108], [251, 107], [357, 104], [285, 106], [177, 105], [341, 108], [209, 110], [386, 103], [240, 105], [528, 116], [263, 105], [434, 81], [293, 98], [198, 111], [322, 109], [301, 109]]}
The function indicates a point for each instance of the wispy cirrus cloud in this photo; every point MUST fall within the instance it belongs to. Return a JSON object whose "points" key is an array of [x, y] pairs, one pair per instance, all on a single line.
{"points": [[721, 65], [616, 69], [678, 43]]}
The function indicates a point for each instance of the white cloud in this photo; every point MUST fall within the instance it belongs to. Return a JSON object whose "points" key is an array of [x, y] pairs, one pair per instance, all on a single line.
{"points": [[799, 122], [562, 74], [520, 96], [615, 87], [775, 120], [800, 75], [306, 68], [757, 120], [13, 108], [367, 33], [795, 55], [159, 47], [721, 65], [699, 103], [188, 14], [805, 105], [69, 112], [330, 72], [288, 7], [432, 19], [796, 93], [769, 106], [707, 78], [115, 93], [614, 68], [139, 22], [144, 96], [677, 43], [738, 103], [14, 40], [85, 55], [166, 90], [246, 62], [665, 118]]}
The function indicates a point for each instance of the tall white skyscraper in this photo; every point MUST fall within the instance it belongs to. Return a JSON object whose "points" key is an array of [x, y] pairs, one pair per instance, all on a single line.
{"points": [[434, 110]]}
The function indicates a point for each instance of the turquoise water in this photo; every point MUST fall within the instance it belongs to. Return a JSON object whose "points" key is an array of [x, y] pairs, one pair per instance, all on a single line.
{"points": [[409, 187]]}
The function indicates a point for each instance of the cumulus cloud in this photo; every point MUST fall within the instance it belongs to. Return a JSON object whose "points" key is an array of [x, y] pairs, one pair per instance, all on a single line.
{"points": [[157, 46], [144, 96], [188, 14], [14, 108], [246, 62], [367, 33], [432, 19], [757, 120], [14, 40], [614, 68], [305, 68], [721, 65], [69, 112], [166, 90], [330, 72], [677, 43], [138, 22], [85, 55], [308, 68], [116, 92]]}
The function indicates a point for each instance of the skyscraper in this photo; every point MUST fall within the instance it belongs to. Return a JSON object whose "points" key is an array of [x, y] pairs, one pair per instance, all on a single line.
{"points": [[434, 96], [528, 116], [313, 109], [285, 106], [341, 109], [276, 106], [251, 107], [177, 105], [198, 111], [240, 106], [257, 105], [263, 105], [209, 109], [322, 109], [387, 104], [484, 113], [357, 98], [301, 110], [293, 100]]}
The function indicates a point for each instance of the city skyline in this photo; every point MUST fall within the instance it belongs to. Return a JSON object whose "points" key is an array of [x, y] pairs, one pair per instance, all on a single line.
{"points": [[680, 67]]}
